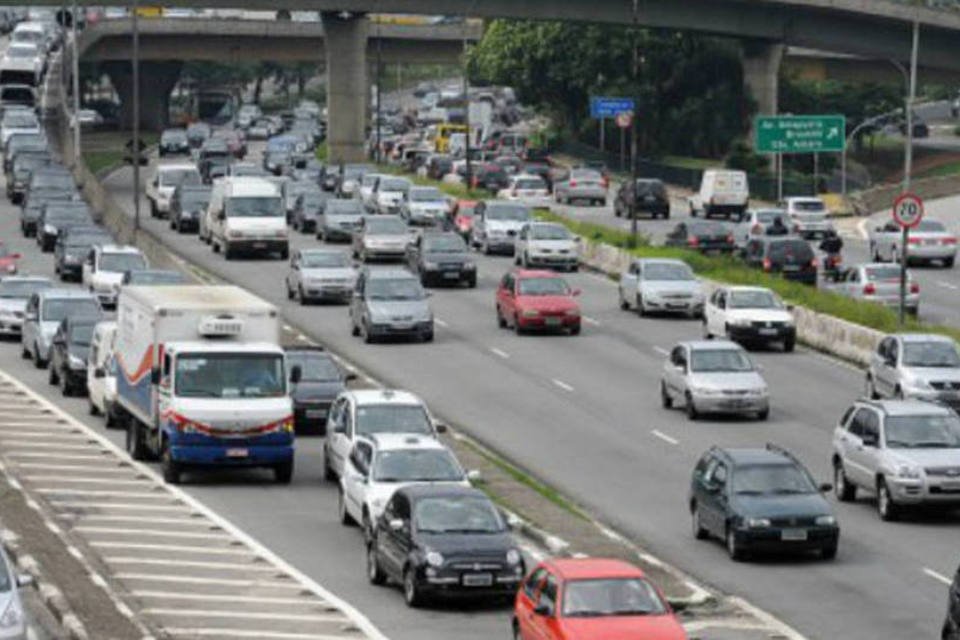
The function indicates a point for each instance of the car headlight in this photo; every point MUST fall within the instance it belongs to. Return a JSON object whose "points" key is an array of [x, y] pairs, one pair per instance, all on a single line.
{"points": [[75, 362], [825, 521], [234, 234], [706, 391], [757, 523], [50, 230], [11, 618], [431, 265], [514, 557], [530, 313], [572, 312], [434, 558], [908, 471], [919, 383], [740, 322]]}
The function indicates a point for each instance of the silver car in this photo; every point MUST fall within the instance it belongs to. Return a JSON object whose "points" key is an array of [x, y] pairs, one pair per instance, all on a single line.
{"points": [[808, 216], [424, 206], [713, 376], [928, 242], [320, 274], [923, 366], [581, 184], [906, 452], [381, 238], [876, 282], [15, 291], [496, 225], [755, 223], [390, 302], [45, 310], [13, 622], [663, 285], [338, 219]]}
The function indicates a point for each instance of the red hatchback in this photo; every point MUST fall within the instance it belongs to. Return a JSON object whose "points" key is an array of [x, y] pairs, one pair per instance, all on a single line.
{"points": [[592, 599], [8, 261], [537, 300]]}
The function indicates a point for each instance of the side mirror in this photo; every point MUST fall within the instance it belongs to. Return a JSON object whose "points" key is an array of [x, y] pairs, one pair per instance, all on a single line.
{"points": [[396, 524], [155, 376], [24, 580], [440, 427], [99, 373], [296, 373], [825, 487], [543, 610], [474, 476]]}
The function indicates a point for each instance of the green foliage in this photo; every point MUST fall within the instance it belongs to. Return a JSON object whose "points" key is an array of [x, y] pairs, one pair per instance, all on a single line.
{"points": [[321, 151], [742, 157]]}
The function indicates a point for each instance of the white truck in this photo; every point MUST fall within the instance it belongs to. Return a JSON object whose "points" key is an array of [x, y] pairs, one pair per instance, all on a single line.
{"points": [[202, 380]]}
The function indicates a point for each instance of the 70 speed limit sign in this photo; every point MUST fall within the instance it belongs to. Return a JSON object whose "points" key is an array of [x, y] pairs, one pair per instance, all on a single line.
{"points": [[908, 210]]}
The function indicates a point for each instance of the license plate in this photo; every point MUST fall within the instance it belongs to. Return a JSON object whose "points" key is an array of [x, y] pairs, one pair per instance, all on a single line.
{"points": [[768, 332], [553, 322], [794, 535], [237, 453], [259, 245], [316, 413], [791, 267], [676, 305], [451, 275], [477, 580]]}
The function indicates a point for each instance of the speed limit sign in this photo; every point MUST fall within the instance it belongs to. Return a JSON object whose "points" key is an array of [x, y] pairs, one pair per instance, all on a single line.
{"points": [[908, 210]]}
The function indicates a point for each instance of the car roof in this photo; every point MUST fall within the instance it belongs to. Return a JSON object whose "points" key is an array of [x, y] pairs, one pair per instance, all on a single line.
{"points": [[754, 455], [745, 288], [26, 279], [711, 345], [65, 293], [646, 261], [400, 441], [909, 407], [388, 273], [118, 248], [534, 273], [383, 396], [592, 568], [178, 166], [924, 337]]}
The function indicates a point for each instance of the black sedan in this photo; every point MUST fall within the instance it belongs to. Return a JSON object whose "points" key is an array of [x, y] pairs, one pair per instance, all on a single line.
{"points": [[789, 256], [705, 237], [650, 196], [187, 205], [318, 381], [68, 358], [442, 258], [444, 541]]}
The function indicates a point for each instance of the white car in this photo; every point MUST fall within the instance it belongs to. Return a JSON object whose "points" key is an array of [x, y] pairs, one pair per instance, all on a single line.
{"points": [[381, 463], [22, 64], [528, 189], [320, 274], [104, 268], [663, 285], [362, 412], [18, 121], [547, 244], [496, 225], [389, 193], [749, 315], [160, 189], [365, 192], [102, 371], [809, 216], [755, 223]]}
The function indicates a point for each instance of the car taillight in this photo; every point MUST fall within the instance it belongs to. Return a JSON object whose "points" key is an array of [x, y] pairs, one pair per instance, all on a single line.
{"points": [[949, 241], [756, 229], [914, 241], [767, 265], [869, 289], [573, 183], [694, 241], [730, 239], [813, 263], [914, 287]]}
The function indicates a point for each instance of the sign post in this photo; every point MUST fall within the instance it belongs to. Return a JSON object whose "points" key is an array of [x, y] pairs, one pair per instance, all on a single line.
{"points": [[907, 212]]}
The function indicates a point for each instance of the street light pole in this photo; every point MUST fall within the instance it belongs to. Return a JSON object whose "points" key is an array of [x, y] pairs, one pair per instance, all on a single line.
{"points": [[633, 124], [135, 150], [379, 84], [466, 102], [908, 162], [76, 87]]}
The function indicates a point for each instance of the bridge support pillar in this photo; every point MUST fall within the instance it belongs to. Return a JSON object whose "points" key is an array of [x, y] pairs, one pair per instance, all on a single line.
{"points": [[761, 73], [157, 80], [347, 86]]}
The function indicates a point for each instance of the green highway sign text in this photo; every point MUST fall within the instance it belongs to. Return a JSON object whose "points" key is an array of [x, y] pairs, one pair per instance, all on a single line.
{"points": [[799, 134]]}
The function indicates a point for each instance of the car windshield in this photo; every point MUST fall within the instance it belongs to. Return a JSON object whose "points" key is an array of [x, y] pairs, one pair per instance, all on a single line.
{"points": [[369, 179], [933, 353], [792, 250], [120, 262], [543, 287], [754, 300], [809, 206], [530, 183], [772, 479], [55, 310], [255, 207], [314, 367], [426, 195], [444, 244], [499, 211], [392, 418], [457, 514], [178, 176], [611, 597], [938, 431], [385, 226], [324, 259], [549, 232], [194, 200], [394, 289], [312, 200], [719, 361], [230, 375], [344, 208], [707, 229], [930, 226], [22, 289], [172, 137], [51, 180], [81, 335], [891, 272], [667, 271], [417, 465], [768, 217], [393, 184]]}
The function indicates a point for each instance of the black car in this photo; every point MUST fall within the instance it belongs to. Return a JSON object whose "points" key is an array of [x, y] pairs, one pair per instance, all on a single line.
{"points": [[187, 204], [789, 256], [173, 142], [442, 258], [56, 217], [439, 166], [34, 202], [444, 541], [951, 625], [491, 177], [73, 246], [320, 381], [705, 236], [651, 198], [761, 500], [330, 181], [21, 142], [69, 352], [307, 208], [276, 162], [20, 173], [153, 277]]}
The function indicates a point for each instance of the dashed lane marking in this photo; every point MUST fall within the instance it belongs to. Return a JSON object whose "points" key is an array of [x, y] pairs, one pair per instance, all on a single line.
{"points": [[194, 564], [939, 577], [213, 597], [242, 615], [563, 385], [661, 351], [659, 434], [500, 353], [235, 633], [591, 321], [947, 285]]}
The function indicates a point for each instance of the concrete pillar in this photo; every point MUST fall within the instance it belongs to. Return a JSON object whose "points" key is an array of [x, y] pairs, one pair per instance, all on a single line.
{"points": [[761, 73], [347, 87], [157, 80]]}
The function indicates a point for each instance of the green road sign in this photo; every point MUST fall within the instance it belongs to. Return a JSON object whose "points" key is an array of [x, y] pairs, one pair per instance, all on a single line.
{"points": [[799, 134]]}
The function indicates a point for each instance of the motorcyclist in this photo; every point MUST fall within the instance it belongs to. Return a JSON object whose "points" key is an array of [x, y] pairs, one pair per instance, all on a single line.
{"points": [[777, 228], [831, 245]]}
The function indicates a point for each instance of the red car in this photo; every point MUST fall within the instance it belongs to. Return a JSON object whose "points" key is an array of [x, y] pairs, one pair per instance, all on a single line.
{"points": [[592, 599], [8, 261], [463, 217], [540, 300]]}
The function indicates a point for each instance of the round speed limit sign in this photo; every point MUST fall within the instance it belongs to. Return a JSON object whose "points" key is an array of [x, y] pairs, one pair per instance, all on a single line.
{"points": [[908, 210]]}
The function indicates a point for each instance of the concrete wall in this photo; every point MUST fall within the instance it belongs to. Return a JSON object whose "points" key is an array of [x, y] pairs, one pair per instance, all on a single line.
{"points": [[881, 198]]}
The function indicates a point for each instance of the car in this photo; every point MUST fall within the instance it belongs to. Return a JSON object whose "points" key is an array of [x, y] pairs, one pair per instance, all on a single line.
{"points": [[389, 193], [879, 283], [761, 500], [18, 122], [331, 182], [547, 245], [15, 617], [72, 248], [22, 63], [8, 260], [529, 300], [496, 225], [356, 413], [424, 206], [951, 624], [58, 217], [320, 274], [173, 142], [489, 176], [383, 237], [512, 164], [187, 205], [104, 268], [319, 381], [906, 452], [444, 541], [198, 133], [705, 236], [339, 219], [22, 96], [581, 184], [68, 356], [307, 209], [33, 204], [574, 598], [661, 285], [928, 242], [749, 315], [528, 189], [45, 310], [292, 190], [102, 373], [260, 129], [15, 291], [380, 463], [650, 195], [23, 166], [390, 302], [352, 178], [808, 216], [713, 377], [246, 170], [789, 256], [723, 192], [364, 191], [441, 257], [922, 366], [21, 143], [755, 224], [168, 177]]}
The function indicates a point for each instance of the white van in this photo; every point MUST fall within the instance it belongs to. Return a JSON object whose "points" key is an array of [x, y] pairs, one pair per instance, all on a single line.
{"points": [[246, 214], [723, 192], [102, 371]]}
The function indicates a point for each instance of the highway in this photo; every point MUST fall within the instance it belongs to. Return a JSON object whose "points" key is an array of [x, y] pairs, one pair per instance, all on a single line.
{"points": [[583, 414]]}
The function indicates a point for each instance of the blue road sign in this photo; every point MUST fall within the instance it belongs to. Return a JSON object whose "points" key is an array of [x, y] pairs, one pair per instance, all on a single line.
{"points": [[601, 107]]}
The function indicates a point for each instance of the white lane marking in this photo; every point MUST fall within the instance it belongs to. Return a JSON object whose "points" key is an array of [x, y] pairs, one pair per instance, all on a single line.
{"points": [[120, 506], [186, 520], [70, 467], [211, 597], [441, 323], [178, 548], [55, 456], [948, 285], [665, 437], [939, 577], [591, 321], [79, 480], [862, 228], [661, 351], [243, 615], [138, 495], [165, 533], [235, 633], [224, 582], [563, 385], [30, 444], [196, 564], [499, 352]]}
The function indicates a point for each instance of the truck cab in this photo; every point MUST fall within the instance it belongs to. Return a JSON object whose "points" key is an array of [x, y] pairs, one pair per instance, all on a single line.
{"points": [[247, 214]]}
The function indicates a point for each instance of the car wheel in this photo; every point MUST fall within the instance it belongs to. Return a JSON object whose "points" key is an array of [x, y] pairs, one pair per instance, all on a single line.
{"points": [[870, 389], [345, 518], [665, 400], [134, 441], [328, 474], [374, 573], [365, 332], [886, 508], [283, 472], [948, 263], [52, 378], [411, 592], [624, 305], [171, 469], [691, 408], [290, 293], [575, 330], [699, 533], [367, 527], [706, 331], [92, 408], [65, 389], [734, 550], [501, 321], [763, 415], [516, 325], [842, 488]]}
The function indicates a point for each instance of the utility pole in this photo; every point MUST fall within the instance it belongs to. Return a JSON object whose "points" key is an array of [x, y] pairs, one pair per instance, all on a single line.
{"points": [[135, 151], [633, 124], [466, 102], [379, 84], [908, 162], [76, 87]]}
